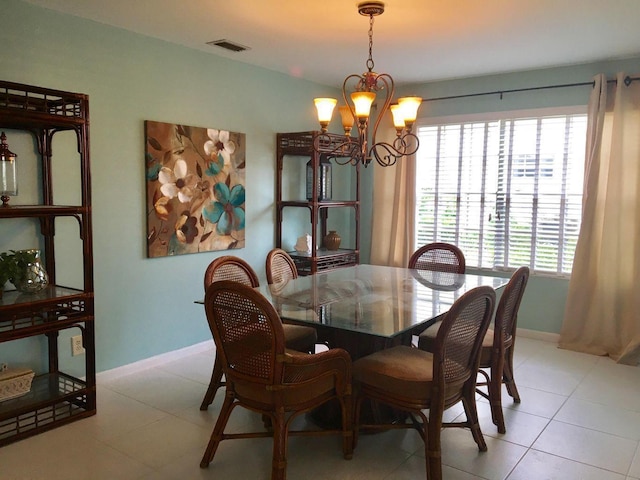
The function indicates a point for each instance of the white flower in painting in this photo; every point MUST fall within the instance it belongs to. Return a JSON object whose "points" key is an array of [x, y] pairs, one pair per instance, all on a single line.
{"points": [[177, 182], [219, 144]]}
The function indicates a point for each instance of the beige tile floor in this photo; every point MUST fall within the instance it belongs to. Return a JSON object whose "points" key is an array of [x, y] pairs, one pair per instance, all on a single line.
{"points": [[579, 419]]}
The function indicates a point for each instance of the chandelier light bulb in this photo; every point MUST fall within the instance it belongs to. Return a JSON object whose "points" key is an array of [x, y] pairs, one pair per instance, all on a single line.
{"points": [[362, 102], [398, 117], [325, 107], [347, 118], [409, 106]]}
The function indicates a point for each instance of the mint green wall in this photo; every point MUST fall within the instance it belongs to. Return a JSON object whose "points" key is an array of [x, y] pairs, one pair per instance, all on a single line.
{"points": [[543, 306], [145, 307]]}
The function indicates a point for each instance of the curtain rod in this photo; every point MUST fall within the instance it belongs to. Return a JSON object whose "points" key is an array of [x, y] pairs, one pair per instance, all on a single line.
{"points": [[627, 82]]}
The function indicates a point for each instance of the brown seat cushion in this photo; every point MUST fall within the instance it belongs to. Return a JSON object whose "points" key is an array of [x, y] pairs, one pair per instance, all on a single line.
{"points": [[427, 342], [401, 370], [427, 339], [298, 337]]}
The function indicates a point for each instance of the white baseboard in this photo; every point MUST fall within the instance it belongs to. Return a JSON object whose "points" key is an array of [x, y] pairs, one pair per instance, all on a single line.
{"points": [[115, 373], [537, 335]]}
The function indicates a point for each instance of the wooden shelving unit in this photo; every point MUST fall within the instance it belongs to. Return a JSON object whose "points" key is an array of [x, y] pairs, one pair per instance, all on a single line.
{"points": [[56, 398], [299, 147]]}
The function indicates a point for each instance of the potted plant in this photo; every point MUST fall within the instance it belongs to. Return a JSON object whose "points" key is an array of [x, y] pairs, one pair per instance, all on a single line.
{"points": [[27, 273], [7, 269]]}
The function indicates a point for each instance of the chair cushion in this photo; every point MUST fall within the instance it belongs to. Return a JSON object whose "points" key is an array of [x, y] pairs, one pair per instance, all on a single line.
{"points": [[400, 370], [298, 337], [487, 349], [427, 339]]}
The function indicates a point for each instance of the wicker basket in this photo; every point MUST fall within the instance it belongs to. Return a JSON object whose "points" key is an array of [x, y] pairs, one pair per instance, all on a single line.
{"points": [[15, 382]]}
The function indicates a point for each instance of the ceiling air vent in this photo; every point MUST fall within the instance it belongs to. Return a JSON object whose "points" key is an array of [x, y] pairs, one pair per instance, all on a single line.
{"points": [[227, 45]]}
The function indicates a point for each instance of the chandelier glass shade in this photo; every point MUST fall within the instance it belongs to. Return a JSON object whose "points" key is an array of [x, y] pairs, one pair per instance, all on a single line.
{"points": [[359, 92]]}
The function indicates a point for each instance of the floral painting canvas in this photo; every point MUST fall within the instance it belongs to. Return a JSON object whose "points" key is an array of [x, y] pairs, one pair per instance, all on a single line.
{"points": [[195, 189]]}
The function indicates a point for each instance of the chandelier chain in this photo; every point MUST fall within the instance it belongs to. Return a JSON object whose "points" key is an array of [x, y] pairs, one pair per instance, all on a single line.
{"points": [[370, 63]]}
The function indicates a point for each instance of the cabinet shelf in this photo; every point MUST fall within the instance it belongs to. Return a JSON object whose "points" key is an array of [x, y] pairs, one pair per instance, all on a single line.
{"points": [[24, 211], [27, 107], [55, 398], [306, 263], [27, 315], [320, 204]]}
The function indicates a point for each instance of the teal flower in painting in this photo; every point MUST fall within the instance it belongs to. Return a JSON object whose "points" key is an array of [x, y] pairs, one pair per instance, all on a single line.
{"points": [[215, 166], [153, 168], [226, 211]]}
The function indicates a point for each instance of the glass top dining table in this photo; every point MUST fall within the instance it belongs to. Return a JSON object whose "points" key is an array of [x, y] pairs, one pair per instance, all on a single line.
{"points": [[367, 307]]}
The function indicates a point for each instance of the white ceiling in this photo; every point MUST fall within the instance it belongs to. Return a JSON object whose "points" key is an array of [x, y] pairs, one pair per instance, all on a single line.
{"points": [[414, 40]]}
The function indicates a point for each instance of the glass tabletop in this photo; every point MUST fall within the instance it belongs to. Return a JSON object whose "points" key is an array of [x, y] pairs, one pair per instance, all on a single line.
{"points": [[376, 300]]}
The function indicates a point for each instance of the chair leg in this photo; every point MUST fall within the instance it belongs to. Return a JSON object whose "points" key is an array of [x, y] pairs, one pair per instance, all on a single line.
{"points": [[471, 411], [432, 447], [507, 376], [495, 394], [215, 383], [218, 430], [347, 427], [280, 434], [357, 404]]}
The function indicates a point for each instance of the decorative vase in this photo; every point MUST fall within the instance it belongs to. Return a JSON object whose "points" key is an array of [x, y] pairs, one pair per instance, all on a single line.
{"points": [[31, 276], [332, 240]]}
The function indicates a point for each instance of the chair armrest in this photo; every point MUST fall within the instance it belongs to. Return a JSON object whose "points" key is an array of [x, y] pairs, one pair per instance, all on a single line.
{"points": [[302, 367]]}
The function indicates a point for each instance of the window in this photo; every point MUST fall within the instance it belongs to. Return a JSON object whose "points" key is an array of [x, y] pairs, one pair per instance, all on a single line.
{"points": [[508, 190]]}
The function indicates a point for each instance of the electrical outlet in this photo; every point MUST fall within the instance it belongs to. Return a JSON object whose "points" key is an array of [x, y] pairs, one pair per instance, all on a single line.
{"points": [[76, 345]]}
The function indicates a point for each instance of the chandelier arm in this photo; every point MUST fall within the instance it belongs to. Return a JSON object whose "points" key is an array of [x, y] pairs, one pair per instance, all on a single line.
{"points": [[349, 149], [389, 87], [346, 161], [404, 144], [385, 154]]}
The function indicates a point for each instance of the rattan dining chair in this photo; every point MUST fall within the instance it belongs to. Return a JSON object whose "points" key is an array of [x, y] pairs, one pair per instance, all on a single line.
{"points": [[412, 380], [498, 346], [440, 257], [496, 354], [265, 377], [280, 266], [229, 267]]}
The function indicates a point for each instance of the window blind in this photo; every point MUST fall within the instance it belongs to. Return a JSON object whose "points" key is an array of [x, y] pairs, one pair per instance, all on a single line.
{"points": [[507, 191]]}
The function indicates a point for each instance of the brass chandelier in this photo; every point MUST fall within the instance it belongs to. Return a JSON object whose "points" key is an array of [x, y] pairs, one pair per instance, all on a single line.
{"points": [[362, 91]]}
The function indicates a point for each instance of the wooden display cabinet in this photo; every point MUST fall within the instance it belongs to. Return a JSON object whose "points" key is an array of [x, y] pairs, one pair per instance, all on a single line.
{"points": [[298, 147], [56, 398]]}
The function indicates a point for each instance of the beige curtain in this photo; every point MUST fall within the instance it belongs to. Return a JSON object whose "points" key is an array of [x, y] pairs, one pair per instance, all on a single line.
{"points": [[393, 211], [602, 315]]}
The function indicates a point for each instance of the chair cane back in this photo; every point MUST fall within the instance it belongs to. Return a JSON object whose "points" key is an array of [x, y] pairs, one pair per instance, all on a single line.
{"points": [[280, 267], [233, 268], [438, 256], [265, 377], [412, 380]]}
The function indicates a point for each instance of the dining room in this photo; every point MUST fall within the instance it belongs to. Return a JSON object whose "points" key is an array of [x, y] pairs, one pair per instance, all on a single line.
{"points": [[153, 347]]}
